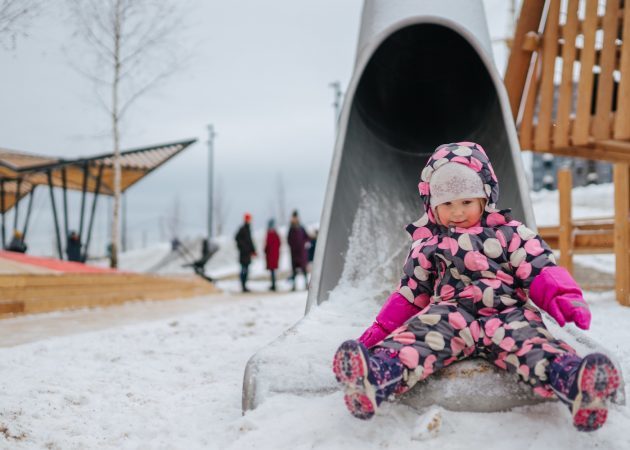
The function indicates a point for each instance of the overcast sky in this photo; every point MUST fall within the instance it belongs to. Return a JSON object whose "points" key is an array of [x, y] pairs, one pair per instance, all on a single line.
{"points": [[259, 72]]}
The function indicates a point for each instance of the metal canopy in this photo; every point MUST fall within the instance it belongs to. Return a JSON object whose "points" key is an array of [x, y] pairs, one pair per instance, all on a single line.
{"points": [[21, 173], [135, 164]]}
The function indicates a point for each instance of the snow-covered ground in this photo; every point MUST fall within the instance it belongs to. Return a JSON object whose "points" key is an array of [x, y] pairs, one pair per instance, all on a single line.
{"points": [[172, 378]]}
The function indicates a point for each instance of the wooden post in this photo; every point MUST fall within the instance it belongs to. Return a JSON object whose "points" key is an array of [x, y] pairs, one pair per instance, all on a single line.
{"points": [[519, 61], [565, 239], [622, 206]]}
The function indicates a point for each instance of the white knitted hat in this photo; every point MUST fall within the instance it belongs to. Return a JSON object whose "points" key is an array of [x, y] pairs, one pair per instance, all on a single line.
{"points": [[454, 181]]}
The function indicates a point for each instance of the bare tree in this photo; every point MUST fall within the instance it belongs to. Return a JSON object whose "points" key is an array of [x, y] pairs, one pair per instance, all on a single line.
{"points": [[14, 19], [132, 46]]}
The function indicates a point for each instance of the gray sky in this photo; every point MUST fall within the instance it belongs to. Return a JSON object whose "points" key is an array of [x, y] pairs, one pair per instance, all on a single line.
{"points": [[259, 71]]}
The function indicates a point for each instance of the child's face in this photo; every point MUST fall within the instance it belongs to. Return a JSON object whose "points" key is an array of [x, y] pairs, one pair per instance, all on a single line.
{"points": [[462, 213]]}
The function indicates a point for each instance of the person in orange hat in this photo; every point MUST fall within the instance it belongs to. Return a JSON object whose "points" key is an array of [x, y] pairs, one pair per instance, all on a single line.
{"points": [[246, 249]]}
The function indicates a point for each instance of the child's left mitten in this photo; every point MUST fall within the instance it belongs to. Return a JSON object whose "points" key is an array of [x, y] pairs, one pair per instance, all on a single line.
{"points": [[555, 291]]}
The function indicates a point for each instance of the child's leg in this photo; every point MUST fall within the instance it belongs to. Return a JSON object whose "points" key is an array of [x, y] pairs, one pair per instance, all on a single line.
{"points": [[518, 341], [433, 339], [440, 335]]}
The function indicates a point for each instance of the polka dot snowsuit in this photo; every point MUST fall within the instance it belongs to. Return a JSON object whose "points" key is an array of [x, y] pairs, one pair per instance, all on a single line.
{"points": [[472, 284]]}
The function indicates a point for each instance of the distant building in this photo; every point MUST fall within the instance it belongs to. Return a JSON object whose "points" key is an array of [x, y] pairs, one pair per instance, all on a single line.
{"points": [[545, 167]]}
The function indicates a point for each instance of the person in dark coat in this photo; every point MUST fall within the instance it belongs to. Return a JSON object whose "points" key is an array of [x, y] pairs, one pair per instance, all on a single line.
{"points": [[73, 248], [246, 249], [312, 245], [17, 243], [298, 239], [272, 251]]}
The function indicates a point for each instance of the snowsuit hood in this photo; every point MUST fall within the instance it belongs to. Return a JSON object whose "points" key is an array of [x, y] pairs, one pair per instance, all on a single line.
{"points": [[473, 156]]}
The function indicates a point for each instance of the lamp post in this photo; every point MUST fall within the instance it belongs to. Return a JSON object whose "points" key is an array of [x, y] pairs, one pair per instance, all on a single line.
{"points": [[336, 86], [211, 136]]}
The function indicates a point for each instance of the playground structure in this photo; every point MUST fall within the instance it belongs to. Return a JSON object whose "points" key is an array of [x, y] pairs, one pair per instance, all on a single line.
{"points": [[31, 284], [423, 76], [21, 173], [568, 79]]}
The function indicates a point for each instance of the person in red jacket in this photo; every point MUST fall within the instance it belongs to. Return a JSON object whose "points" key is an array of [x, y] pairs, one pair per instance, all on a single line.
{"points": [[272, 251]]}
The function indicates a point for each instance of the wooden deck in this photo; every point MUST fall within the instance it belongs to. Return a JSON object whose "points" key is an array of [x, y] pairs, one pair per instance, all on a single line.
{"points": [[29, 293]]}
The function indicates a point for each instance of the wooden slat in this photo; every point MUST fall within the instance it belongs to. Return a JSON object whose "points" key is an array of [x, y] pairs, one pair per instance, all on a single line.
{"points": [[565, 93], [622, 118], [520, 59], [565, 186], [542, 136], [603, 110], [581, 130], [622, 207], [526, 122]]}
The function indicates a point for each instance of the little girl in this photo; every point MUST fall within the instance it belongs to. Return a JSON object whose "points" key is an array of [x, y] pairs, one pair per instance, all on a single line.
{"points": [[464, 293]]}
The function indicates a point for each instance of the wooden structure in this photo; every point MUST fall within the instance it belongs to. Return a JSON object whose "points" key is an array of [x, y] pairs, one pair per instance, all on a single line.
{"points": [[21, 173], [568, 79], [46, 292]]}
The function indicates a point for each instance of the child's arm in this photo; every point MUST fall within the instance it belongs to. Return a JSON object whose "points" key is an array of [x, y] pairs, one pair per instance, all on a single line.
{"points": [[413, 294], [551, 287], [396, 311]]}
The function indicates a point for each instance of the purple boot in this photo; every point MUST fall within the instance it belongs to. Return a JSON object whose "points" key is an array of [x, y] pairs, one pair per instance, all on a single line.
{"points": [[367, 379], [584, 385]]}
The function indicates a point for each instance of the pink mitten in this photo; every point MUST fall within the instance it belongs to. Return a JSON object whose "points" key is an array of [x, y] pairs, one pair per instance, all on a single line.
{"points": [[373, 335], [554, 290], [396, 311]]}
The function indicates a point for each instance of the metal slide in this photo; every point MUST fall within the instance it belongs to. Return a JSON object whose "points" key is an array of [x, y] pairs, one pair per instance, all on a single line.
{"points": [[423, 76]]}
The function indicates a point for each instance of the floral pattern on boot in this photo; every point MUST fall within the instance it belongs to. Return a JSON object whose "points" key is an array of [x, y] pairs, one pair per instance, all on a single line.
{"points": [[367, 380]]}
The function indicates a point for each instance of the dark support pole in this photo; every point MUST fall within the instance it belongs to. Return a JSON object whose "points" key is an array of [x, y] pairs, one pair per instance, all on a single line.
{"points": [[4, 238], [54, 209], [18, 186], [28, 212], [64, 183], [96, 190], [83, 194]]}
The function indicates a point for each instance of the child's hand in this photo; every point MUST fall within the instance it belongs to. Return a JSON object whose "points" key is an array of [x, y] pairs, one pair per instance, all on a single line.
{"points": [[373, 335], [554, 290], [570, 308]]}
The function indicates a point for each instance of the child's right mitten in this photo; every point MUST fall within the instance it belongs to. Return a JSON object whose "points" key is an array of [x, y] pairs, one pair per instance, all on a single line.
{"points": [[396, 311], [555, 291]]}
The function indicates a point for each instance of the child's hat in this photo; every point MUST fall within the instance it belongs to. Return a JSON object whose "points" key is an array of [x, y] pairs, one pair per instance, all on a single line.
{"points": [[454, 181]]}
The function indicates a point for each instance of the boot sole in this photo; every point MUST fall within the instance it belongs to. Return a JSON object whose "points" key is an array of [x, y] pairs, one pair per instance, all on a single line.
{"points": [[350, 366], [598, 380]]}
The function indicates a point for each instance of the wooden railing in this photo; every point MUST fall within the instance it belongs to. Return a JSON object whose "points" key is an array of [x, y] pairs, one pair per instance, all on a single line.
{"points": [[569, 85], [568, 80], [595, 235]]}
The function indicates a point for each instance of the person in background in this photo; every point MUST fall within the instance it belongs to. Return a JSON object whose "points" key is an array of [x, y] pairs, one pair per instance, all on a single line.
{"points": [[272, 251], [311, 246], [298, 238], [246, 249], [17, 243], [73, 248]]}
